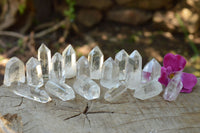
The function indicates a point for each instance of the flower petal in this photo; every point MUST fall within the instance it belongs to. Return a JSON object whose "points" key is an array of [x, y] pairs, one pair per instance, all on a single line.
{"points": [[164, 76], [189, 81], [177, 62]]}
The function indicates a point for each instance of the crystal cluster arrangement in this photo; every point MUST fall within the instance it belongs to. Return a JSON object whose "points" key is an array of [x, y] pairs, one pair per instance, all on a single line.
{"points": [[47, 75]]}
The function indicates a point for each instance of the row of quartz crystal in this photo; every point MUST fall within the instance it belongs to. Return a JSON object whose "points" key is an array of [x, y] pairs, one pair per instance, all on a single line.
{"points": [[115, 75]]}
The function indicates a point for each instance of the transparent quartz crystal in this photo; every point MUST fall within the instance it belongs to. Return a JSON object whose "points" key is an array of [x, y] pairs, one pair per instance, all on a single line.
{"points": [[121, 59], [95, 59], [69, 62], [31, 93], [148, 90], [56, 73], [34, 73], [173, 88], [86, 87], [60, 90], [134, 70], [44, 56], [151, 71], [109, 74], [83, 67], [115, 92], [14, 71]]}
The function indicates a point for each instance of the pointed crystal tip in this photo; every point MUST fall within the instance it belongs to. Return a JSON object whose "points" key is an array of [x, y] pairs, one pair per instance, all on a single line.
{"points": [[43, 47], [96, 49]]}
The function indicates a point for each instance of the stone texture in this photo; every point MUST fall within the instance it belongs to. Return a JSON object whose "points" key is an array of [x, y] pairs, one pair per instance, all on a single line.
{"points": [[114, 93], [86, 87], [60, 90], [44, 56], [134, 70], [148, 90], [83, 67], [14, 71], [56, 73], [109, 74], [146, 4], [69, 62], [129, 16], [173, 88], [121, 60], [89, 17], [34, 73], [151, 71], [32, 93], [99, 4], [95, 58]]}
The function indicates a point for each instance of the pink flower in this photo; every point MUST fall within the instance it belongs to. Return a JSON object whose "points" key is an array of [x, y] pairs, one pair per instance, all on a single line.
{"points": [[172, 64]]}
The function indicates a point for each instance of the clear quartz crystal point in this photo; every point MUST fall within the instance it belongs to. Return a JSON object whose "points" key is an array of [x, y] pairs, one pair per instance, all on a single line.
{"points": [[151, 71], [83, 67], [60, 90], [173, 88], [121, 59], [34, 73], [95, 59], [114, 93], [148, 90], [31, 93], [109, 74], [14, 71], [69, 62], [44, 56], [56, 73], [86, 87], [134, 70]]}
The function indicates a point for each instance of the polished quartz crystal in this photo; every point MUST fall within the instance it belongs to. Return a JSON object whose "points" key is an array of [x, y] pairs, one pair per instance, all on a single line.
{"points": [[44, 56], [83, 67], [34, 73], [115, 92], [148, 90], [109, 74], [14, 71], [56, 73], [151, 71], [95, 59], [86, 87], [31, 93], [134, 70], [69, 62], [173, 88], [121, 59], [60, 90]]}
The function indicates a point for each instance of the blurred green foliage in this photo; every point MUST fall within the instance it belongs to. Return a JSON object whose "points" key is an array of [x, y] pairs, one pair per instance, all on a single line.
{"points": [[71, 9], [22, 8]]}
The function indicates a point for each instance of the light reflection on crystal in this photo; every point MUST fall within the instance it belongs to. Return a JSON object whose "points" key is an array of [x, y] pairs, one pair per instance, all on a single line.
{"points": [[69, 62], [95, 59], [14, 71], [83, 67], [134, 70], [34, 73], [86, 87], [44, 56], [121, 59], [109, 74]]}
